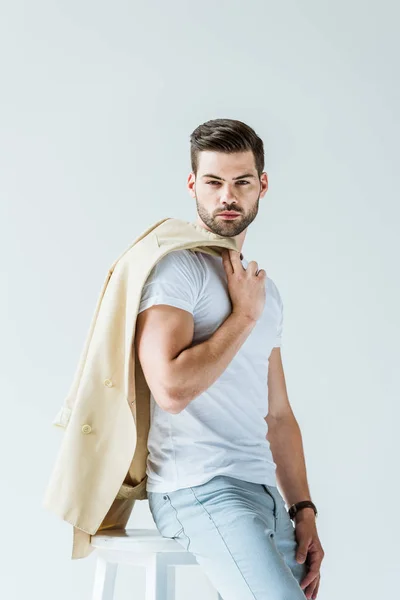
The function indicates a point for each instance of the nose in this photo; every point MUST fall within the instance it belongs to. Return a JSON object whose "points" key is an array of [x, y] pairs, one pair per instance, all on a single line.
{"points": [[228, 202], [227, 195], [226, 205]]}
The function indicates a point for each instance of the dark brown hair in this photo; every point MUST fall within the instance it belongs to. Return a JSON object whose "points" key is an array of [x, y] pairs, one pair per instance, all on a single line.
{"points": [[226, 135]]}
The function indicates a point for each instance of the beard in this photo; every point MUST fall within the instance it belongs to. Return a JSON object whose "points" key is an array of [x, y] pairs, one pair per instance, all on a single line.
{"points": [[224, 227]]}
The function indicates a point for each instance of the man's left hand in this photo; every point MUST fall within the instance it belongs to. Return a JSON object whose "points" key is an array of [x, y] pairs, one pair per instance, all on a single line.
{"points": [[309, 550]]}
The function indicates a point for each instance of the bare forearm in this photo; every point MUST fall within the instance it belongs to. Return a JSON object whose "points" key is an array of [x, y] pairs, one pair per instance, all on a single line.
{"points": [[195, 369], [287, 450]]}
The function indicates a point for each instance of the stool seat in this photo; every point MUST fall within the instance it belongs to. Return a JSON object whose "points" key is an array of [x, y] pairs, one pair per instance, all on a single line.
{"points": [[140, 547], [135, 540]]}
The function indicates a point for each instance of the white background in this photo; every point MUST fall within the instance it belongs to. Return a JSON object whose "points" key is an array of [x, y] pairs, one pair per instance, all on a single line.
{"points": [[97, 102]]}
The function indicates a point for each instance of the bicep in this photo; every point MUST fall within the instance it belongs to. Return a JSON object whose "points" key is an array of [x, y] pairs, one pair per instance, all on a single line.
{"points": [[162, 333]]}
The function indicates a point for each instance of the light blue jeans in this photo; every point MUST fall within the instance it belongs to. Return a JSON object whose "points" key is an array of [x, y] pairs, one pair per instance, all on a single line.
{"points": [[240, 533]]}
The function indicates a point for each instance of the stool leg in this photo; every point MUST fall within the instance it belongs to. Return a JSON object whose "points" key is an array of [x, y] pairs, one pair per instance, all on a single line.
{"points": [[160, 578], [104, 581]]}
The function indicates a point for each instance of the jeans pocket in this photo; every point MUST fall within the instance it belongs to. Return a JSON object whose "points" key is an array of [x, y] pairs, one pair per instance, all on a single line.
{"points": [[155, 499], [164, 514]]}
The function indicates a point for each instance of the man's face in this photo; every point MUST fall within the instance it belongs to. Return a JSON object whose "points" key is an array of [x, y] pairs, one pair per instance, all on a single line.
{"points": [[227, 182]]}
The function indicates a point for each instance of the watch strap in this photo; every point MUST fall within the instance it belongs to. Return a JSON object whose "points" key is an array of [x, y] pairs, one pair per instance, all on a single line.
{"points": [[295, 508]]}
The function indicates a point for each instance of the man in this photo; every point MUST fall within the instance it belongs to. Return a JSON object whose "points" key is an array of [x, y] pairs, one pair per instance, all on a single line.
{"points": [[222, 430]]}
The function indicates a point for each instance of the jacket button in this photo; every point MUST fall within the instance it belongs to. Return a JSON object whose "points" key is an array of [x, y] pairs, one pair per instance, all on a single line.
{"points": [[86, 429], [108, 382]]}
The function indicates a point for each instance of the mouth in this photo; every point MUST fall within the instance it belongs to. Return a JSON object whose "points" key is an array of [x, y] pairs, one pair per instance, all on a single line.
{"points": [[228, 215]]}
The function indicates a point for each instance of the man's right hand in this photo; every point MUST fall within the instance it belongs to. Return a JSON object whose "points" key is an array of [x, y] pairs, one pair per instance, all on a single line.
{"points": [[246, 286]]}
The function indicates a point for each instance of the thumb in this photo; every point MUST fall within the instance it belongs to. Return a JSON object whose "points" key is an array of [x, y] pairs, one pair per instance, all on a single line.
{"points": [[301, 554]]}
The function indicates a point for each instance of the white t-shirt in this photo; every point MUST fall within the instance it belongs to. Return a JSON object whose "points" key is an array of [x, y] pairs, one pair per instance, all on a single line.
{"points": [[222, 431]]}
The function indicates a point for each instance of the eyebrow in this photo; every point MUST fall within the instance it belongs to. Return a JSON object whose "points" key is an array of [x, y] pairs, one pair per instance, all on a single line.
{"points": [[222, 179]]}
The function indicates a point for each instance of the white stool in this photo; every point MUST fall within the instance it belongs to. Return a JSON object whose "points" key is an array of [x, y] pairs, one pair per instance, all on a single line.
{"points": [[139, 547]]}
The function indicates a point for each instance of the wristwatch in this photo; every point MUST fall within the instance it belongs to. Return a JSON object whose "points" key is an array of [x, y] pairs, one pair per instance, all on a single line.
{"points": [[294, 509]]}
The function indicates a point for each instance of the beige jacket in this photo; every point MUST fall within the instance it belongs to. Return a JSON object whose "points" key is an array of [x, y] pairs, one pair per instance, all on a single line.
{"points": [[100, 469]]}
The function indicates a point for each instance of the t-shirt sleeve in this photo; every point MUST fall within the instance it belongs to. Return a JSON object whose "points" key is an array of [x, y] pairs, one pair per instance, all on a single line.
{"points": [[279, 321], [175, 280]]}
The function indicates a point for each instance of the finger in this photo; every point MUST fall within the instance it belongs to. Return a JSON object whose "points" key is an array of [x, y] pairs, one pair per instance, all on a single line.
{"points": [[313, 568], [252, 267], [301, 553], [234, 255], [226, 261], [311, 575], [311, 588], [316, 589]]}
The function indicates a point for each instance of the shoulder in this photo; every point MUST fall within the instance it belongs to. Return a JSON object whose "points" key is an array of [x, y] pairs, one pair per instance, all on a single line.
{"points": [[174, 280], [179, 266], [179, 260]]}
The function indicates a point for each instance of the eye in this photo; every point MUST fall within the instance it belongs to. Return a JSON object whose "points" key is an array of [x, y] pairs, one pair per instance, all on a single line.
{"points": [[217, 182]]}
